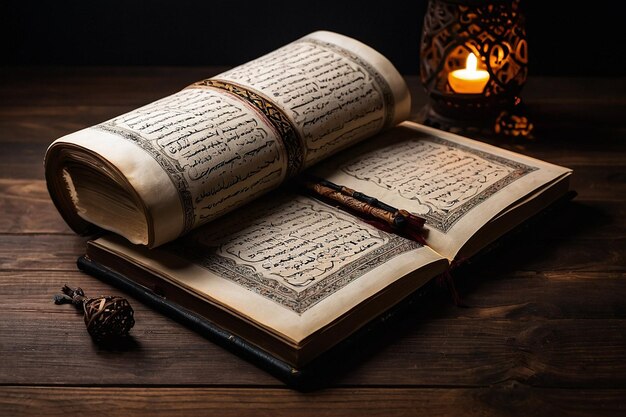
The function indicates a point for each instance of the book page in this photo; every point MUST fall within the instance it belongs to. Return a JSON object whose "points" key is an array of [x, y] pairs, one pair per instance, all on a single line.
{"points": [[457, 184], [224, 141], [286, 262], [335, 90]]}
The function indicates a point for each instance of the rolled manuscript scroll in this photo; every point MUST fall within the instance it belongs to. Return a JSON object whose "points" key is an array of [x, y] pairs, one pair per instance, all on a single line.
{"points": [[157, 172]]}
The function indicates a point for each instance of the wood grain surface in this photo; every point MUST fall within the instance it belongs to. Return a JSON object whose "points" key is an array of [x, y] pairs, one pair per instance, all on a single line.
{"points": [[543, 333]]}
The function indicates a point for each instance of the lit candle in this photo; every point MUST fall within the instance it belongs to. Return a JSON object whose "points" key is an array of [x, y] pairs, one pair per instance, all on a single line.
{"points": [[469, 80]]}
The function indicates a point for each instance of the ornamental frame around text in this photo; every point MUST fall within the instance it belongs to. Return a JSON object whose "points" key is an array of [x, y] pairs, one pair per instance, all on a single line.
{"points": [[273, 290], [444, 223]]}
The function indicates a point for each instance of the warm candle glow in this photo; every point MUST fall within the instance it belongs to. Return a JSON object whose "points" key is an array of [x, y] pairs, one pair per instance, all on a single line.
{"points": [[469, 80], [471, 63]]}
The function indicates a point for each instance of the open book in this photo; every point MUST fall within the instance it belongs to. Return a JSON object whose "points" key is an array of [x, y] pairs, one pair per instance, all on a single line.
{"points": [[188, 185]]}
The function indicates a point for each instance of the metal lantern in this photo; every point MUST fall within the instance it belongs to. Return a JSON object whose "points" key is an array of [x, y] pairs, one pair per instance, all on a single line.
{"points": [[473, 62]]}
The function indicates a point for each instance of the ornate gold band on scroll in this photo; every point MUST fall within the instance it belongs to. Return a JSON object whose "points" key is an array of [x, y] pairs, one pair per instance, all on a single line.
{"points": [[292, 142]]}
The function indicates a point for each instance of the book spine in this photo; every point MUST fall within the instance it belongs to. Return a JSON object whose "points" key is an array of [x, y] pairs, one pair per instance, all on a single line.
{"points": [[274, 366]]}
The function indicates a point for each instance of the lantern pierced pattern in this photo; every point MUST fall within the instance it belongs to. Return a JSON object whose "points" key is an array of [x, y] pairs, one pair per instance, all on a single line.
{"points": [[492, 30]]}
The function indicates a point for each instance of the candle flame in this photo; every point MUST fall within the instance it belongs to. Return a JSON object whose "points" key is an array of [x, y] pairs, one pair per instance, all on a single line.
{"points": [[469, 80], [471, 63]]}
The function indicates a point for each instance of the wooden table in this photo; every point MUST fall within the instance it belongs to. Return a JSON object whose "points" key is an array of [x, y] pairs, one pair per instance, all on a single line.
{"points": [[544, 332]]}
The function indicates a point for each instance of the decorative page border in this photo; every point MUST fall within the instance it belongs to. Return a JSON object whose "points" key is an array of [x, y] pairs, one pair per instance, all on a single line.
{"points": [[272, 289], [444, 223]]}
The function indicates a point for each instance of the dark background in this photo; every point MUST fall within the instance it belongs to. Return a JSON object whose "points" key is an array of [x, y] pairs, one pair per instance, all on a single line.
{"points": [[565, 38]]}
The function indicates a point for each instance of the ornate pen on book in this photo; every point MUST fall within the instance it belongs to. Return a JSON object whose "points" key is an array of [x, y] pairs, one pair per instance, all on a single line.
{"points": [[398, 219]]}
